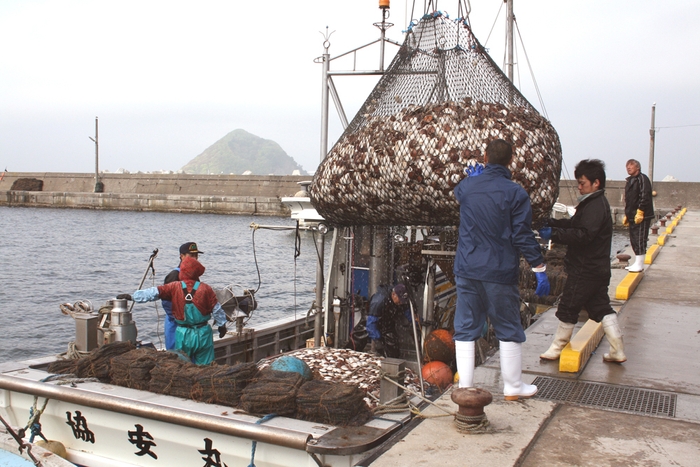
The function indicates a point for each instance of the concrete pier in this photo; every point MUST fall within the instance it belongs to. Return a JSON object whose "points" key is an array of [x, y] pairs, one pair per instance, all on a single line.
{"points": [[645, 411]]}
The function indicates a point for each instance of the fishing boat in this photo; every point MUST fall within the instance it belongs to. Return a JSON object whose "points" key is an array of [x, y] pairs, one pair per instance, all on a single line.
{"points": [[301, 208], [103, 424]]}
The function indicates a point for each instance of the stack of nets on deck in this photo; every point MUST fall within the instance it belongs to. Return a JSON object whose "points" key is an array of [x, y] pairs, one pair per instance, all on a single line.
{"points": [[96, 364], [286, 393], [439, 104], [343, 391], [121, 363]]}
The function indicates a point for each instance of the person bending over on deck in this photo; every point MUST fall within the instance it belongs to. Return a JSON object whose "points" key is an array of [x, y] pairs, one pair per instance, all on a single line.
{"points": [[495, 218], [639, 212], [385, 308], [170, 326], [193, 303], [588, 236]]}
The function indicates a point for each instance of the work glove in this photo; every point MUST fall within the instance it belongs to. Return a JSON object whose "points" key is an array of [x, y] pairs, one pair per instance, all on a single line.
{"points": [[473, 170], [222, 331], [625, 222], [545, 233], [125, 296], [639, 217], [542, 284]]}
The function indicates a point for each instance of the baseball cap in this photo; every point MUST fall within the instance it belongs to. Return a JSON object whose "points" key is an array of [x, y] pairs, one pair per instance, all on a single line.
{"points": [[401, 292], [189, 247]]}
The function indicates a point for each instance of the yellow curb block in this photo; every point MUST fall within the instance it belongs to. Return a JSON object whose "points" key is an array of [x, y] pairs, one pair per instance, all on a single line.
{"points": [[669, 228], [675, 223], [579, 349], [652, 253], [661, 240], [629, 283]]}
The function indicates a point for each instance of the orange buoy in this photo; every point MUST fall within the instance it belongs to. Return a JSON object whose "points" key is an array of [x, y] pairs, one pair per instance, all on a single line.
{"points": [[439, 346], [437, 373]]}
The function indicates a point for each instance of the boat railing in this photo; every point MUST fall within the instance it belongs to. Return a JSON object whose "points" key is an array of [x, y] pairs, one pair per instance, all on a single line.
{"points": [[266, 340]]}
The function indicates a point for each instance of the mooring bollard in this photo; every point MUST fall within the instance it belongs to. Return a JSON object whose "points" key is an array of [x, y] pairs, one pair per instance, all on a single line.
{"points": [[654, 229], [624, 258], [470, 417]]}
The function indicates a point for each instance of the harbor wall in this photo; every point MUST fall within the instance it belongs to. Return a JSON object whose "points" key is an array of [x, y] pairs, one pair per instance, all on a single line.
{"points": [[218, 194], [242, 194]]}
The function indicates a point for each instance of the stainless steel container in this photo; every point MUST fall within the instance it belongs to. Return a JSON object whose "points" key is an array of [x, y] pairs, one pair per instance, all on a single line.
{"points": [[121, 325]]}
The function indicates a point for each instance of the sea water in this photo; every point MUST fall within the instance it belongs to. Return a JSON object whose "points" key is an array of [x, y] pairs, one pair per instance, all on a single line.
{"points": [[56, 256]]}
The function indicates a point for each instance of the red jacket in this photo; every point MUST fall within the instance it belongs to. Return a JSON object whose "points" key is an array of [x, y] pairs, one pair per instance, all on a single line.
{"points": [[204, 299]]}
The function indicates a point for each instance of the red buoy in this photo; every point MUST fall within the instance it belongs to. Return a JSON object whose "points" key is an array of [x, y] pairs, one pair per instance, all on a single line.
{"points": [[439, 346], [437, 373]]}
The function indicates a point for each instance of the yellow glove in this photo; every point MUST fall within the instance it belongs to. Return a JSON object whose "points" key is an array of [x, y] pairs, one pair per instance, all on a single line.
{"points": [[639, 217], [625, 222]]}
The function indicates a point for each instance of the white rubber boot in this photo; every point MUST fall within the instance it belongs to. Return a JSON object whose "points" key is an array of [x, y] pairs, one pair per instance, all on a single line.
{"points": [[614, 335], [464, 355], [561, 338], [511, 372], [638, 265]]}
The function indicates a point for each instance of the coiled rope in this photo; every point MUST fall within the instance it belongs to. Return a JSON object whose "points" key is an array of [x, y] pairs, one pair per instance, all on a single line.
{"points": [[34, 425], [465, 424]]}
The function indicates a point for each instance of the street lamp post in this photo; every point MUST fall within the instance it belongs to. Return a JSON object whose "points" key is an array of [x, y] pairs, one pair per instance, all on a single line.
{"points": [[652, 142], [99, 186]]}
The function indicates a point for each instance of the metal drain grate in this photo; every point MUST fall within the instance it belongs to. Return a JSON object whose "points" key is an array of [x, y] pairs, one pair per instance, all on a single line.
{"points": [[607, 396]]}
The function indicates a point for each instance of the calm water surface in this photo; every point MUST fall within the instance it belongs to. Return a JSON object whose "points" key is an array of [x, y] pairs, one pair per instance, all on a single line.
{"points": [[53, 256]]}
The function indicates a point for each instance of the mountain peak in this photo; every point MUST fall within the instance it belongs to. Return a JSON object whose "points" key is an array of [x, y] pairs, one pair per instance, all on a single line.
{"points": [[240, 151]]}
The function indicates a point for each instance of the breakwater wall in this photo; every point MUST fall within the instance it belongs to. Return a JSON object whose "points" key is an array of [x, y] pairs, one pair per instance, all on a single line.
{"points": [[242, 194], [219, 194], [669, 195]]}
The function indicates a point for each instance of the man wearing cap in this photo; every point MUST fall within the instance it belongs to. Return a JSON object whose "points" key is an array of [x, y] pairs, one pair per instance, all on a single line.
{"points": [[170, 326], [385, 308]]}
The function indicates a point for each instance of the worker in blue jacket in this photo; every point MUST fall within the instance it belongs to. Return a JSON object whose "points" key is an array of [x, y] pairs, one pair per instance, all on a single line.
{"points": [[386, 307], [494, 230]]}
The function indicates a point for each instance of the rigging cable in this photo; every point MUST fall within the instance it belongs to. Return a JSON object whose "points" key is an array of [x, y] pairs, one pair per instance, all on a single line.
{"points": [[255, 258], [297, 253], [493, 26]]}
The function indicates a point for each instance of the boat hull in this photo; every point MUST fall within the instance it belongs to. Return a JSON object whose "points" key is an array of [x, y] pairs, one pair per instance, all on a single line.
{"points": [[105, 425]]}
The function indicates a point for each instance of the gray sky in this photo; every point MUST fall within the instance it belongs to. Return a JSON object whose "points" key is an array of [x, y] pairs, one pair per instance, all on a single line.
{"points": [[169, 78]]}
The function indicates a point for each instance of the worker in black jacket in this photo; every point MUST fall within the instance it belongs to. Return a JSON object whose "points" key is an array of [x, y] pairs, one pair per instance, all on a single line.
{"points": [[588, 236], [639, 212]]}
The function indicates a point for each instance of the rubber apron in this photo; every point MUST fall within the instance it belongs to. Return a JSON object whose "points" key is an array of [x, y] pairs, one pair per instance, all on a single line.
{"points": [[194, 336]]}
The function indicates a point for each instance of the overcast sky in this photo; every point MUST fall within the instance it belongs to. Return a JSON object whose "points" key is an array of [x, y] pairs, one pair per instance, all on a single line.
{"points": [[167, 79]]}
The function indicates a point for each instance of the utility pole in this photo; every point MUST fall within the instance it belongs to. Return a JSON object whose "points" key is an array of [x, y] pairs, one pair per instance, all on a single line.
{"points": [[99, 187], [652, 140]]}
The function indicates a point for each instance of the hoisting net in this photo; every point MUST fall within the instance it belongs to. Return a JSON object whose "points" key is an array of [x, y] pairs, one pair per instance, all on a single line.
{"points": [[440, 102]]}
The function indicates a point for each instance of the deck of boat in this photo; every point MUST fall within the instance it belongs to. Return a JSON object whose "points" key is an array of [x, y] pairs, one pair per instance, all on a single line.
{"points": [[643, 412]]}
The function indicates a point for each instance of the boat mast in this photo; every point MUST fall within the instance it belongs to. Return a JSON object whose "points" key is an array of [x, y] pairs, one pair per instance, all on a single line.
{"points": [[509, 39], [329, 91]]}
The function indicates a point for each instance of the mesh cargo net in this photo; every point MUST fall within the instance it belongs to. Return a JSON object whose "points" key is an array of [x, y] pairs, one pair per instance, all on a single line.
{"points": [[440, 102]]}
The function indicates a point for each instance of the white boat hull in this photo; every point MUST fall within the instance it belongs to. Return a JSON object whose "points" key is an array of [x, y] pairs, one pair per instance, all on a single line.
{"points": [[104, 425]]}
